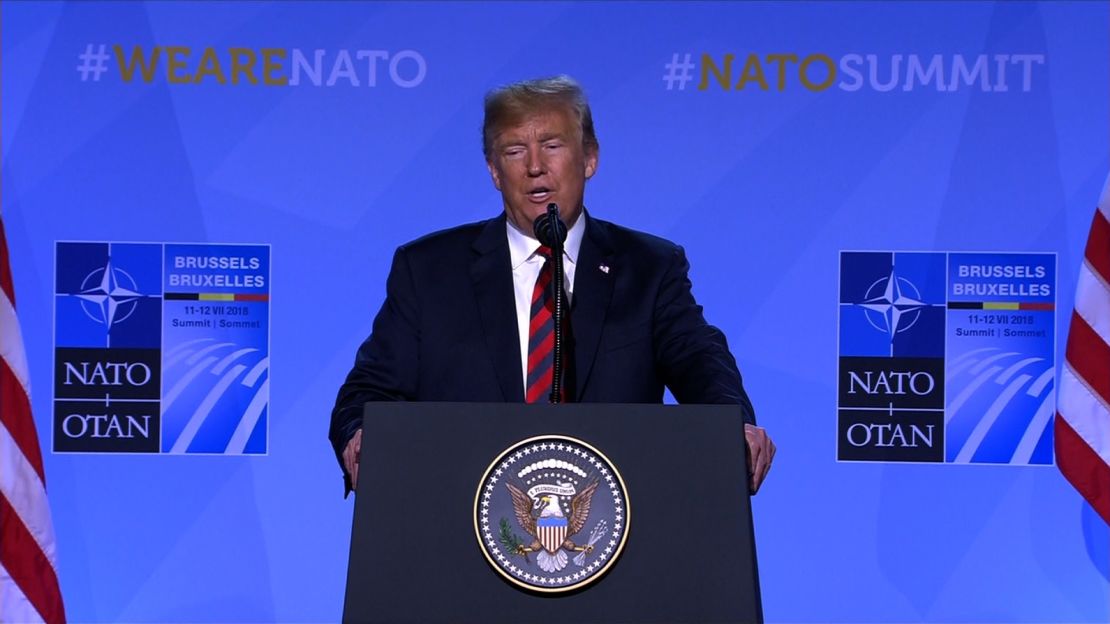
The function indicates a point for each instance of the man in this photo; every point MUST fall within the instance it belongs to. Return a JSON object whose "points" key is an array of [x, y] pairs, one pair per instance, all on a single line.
{"points": [[462, 306]]}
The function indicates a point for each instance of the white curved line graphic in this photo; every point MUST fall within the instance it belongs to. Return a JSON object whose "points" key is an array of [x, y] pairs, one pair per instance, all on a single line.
{"points": [[179, 387], [256, 372], [975, 370], [959, 368], [988, 419], [1028, 444], [958, 361], [246, 426], [193, 359], [177, 358], [1042, 381], [1009, 372], [202, 411], [966, 393], [187, 343], [219, 368]]}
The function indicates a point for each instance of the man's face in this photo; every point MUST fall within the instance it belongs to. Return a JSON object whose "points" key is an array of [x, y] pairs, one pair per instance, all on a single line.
{"points": [[538, 161]]}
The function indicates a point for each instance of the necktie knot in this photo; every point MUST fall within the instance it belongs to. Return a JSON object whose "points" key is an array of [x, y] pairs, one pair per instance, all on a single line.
{"points": [[544, 251]]}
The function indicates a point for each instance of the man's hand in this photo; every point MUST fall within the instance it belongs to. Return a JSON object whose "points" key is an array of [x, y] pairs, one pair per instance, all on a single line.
{"points": [[761, 450], [351, 454]]}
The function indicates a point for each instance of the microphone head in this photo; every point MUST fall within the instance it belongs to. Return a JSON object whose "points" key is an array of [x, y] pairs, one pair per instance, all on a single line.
{"points": [[549, 228]]}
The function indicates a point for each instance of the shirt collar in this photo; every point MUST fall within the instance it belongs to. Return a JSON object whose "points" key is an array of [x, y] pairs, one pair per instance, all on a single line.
{"points": [[523, 247]]}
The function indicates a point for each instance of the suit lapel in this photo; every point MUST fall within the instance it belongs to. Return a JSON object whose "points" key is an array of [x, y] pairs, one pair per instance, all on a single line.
{"points": [[593, 288], [492, 279]]}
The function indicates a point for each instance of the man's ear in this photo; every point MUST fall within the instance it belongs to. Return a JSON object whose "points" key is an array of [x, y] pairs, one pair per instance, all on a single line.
{"points": [[494, 174], [591, 161]]}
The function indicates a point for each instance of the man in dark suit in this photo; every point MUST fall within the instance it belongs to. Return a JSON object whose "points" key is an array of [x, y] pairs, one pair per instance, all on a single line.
{"points": [[460, 318]]}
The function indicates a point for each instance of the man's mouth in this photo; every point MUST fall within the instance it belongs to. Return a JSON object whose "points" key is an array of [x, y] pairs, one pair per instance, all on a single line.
{"points": [[539, 193]]}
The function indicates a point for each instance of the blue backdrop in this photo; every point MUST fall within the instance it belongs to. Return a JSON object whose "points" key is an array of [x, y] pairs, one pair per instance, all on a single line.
{"points": [[347, 129]]}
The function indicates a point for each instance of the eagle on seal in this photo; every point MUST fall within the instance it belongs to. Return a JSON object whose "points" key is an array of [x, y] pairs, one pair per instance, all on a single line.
{"points": [[550, 528]]}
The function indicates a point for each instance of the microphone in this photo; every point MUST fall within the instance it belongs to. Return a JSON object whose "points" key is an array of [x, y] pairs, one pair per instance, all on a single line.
{"points": [[551, 231], [549, 228]]}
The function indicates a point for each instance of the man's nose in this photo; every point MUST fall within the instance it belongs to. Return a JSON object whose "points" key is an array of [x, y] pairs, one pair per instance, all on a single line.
{"points": [[536, 165]]}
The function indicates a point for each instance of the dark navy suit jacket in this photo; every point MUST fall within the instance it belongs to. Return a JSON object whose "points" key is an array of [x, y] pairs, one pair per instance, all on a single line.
{"points": [[447, 330]]}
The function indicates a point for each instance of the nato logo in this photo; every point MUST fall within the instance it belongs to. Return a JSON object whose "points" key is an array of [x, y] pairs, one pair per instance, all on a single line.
{"points": [[107, 356], [141, 367], [946, 357], [892, 344], [551, 514], [892, 304], [109, 295]]}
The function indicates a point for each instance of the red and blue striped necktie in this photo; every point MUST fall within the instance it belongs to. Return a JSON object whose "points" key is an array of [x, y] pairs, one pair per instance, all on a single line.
{"points": [[541, 334]]}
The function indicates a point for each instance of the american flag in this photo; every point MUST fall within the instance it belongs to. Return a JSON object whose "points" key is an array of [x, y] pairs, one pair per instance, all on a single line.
{"points": [[28, 578], [1083, 408]]}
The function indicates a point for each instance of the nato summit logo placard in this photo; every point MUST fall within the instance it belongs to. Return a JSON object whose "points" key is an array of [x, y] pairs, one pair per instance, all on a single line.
{"points": [[551, 514], [946, 357], [891, 377], [107, 347], [161, 348]]}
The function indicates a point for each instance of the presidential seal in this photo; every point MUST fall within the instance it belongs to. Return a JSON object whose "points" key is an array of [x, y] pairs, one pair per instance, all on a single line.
{"points": [[551, 514]]}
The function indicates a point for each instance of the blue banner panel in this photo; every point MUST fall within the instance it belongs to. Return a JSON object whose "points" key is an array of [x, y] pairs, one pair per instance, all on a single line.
{"points": [[1001, 350], [179, 370], [216, 349], [891, 356], [108, 310], [922, 334]]}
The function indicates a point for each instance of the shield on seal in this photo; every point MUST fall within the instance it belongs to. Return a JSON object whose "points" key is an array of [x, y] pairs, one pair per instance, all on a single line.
{"points": [[551, 532]]}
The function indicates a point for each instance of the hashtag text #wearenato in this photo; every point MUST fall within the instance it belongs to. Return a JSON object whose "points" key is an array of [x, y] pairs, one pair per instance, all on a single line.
{"points": [[277, 67], [996, 73]]}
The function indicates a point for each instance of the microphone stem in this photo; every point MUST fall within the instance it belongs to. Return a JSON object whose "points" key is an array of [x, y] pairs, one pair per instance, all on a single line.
{"points": [[560, 308]]}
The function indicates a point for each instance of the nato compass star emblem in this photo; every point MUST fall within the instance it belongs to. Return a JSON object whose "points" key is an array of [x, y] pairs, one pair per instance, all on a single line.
{"points": [[108, 295], [551, 514], [892, 304]]}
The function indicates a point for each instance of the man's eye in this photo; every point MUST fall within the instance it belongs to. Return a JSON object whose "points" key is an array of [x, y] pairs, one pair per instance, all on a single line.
{"points": [[551, 146]]}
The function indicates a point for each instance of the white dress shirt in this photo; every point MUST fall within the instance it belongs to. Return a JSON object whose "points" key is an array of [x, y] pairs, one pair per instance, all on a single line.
{"points": [[526, 269]]}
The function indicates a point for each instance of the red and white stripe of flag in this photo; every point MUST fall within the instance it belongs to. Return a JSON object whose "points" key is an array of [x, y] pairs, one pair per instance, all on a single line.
{"points": [[1083, 405], [28, 578], [552, 537]]}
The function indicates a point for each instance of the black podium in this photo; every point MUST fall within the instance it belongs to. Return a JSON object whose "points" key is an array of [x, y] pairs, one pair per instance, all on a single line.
{"points": [[689, 554]]}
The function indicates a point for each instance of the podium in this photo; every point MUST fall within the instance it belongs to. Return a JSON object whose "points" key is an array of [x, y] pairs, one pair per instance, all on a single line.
{"points": [[689, 555]]}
